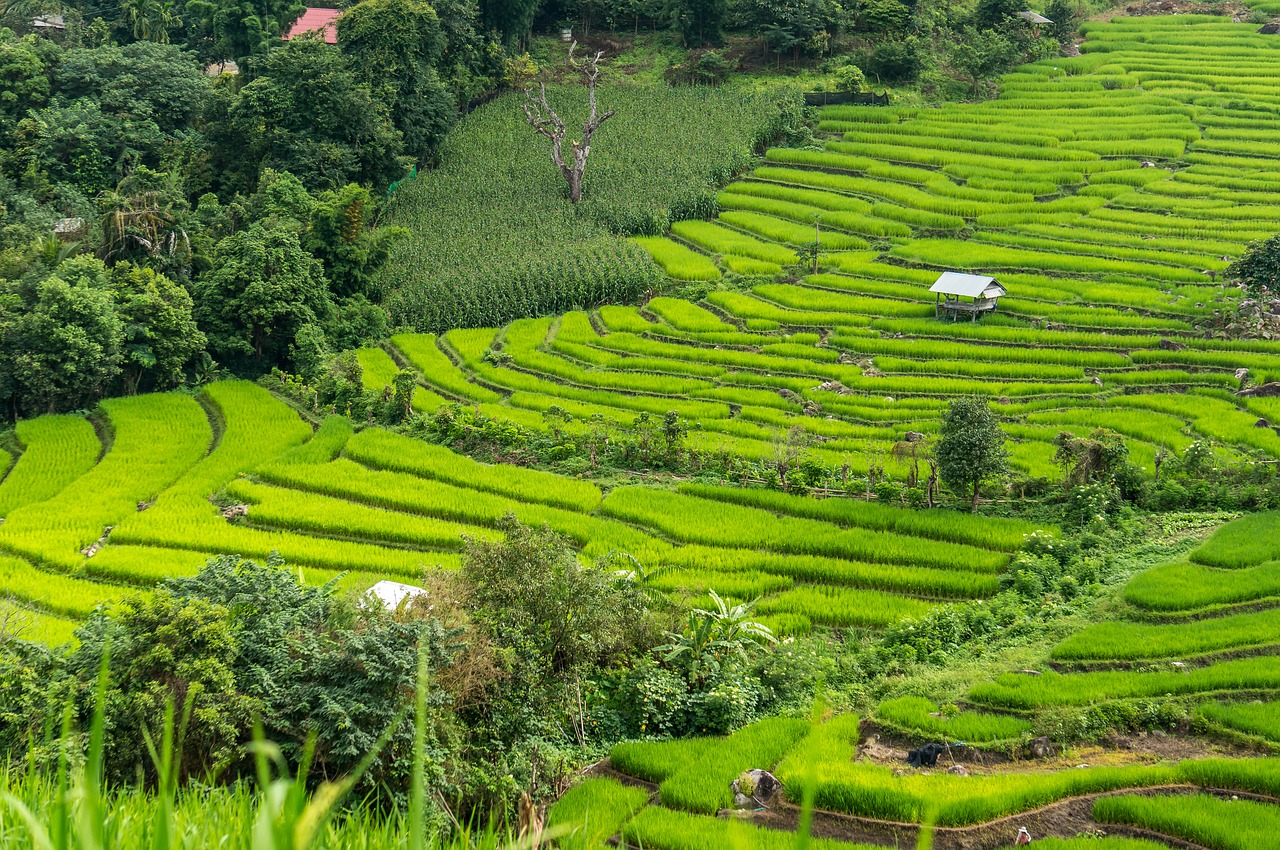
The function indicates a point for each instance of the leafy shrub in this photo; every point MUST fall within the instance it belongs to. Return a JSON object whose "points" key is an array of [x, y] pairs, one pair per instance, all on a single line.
{"points": [[894, 61], [849, 78], [1259, 268]]}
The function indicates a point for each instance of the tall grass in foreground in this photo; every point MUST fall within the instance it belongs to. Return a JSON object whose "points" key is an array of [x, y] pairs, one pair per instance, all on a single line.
{"points": [[73, 810]]}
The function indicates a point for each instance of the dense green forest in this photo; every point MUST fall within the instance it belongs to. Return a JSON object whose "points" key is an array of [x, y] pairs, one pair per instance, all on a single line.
{"points": [[163, 221]]}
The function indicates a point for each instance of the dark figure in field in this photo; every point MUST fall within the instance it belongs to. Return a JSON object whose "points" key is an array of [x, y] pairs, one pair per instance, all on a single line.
{"points": [[926, 756]]}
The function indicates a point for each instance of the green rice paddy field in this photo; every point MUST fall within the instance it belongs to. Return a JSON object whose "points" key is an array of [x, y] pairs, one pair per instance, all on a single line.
{"points": [[375, 505], [1135, 798], [1106, 191]]}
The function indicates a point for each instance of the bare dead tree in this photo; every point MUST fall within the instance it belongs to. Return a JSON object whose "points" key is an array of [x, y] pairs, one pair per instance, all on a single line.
{"points": [[544, 119]]}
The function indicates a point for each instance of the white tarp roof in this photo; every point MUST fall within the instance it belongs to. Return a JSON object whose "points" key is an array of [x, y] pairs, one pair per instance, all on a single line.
{"points": [[392, 593], [968, 285], [1034, 18]]}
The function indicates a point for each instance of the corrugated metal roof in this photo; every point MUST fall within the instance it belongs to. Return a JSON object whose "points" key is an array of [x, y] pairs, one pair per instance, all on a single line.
{"points": [[968, 285], [317, 20]]}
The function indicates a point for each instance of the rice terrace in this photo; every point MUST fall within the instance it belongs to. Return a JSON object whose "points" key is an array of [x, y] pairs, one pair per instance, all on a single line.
{"points": [[657, 425]]}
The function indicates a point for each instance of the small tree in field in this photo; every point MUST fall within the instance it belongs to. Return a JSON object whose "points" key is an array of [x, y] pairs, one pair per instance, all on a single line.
{"points": [[1259, 268], [543, 118], [971, 449]]}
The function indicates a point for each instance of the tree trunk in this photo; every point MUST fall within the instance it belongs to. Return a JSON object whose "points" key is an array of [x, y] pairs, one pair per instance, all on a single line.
{"points": [[973, 507], [574, 176], [543, 118]]}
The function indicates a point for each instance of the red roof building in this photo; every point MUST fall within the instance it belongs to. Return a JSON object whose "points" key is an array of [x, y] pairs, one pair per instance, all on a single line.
{"points": [[324, 21]]}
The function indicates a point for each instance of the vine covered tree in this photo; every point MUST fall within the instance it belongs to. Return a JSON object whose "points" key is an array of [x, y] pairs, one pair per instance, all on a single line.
{"points": [[971, 449], [544, 119]]}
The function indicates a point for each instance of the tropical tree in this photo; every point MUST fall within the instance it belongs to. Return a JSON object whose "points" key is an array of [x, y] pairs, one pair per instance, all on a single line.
{"points": [[239, 29], [342, 236], [160, 334], [715, 638], [264, 291], [60, 339], [308, 114], [699, 22], [394, 47], [1065, 15], [510, 18], [971, 449], [980, 54], [142, 220]]}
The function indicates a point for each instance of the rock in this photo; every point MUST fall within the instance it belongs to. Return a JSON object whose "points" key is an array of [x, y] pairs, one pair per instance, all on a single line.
{"points": [[1170, 345], [1148, 164], [93, 548], [913, 437], [1241, 375], [754, 788], [1040, 748], [1159, 733], [1097, 381], [1267, 390], [958, 770], [1262, 423], [927, 755], [142, 506], [1272, 28], [235, 511]]}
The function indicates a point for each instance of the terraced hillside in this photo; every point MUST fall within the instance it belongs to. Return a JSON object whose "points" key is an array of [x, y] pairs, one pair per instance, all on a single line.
{"points": [[1046, 186], [1106, 191], [88, 530], [1220, 664]]}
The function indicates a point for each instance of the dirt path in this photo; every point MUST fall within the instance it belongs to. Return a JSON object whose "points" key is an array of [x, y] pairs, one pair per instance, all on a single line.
{"points": [[1073, 816]]}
